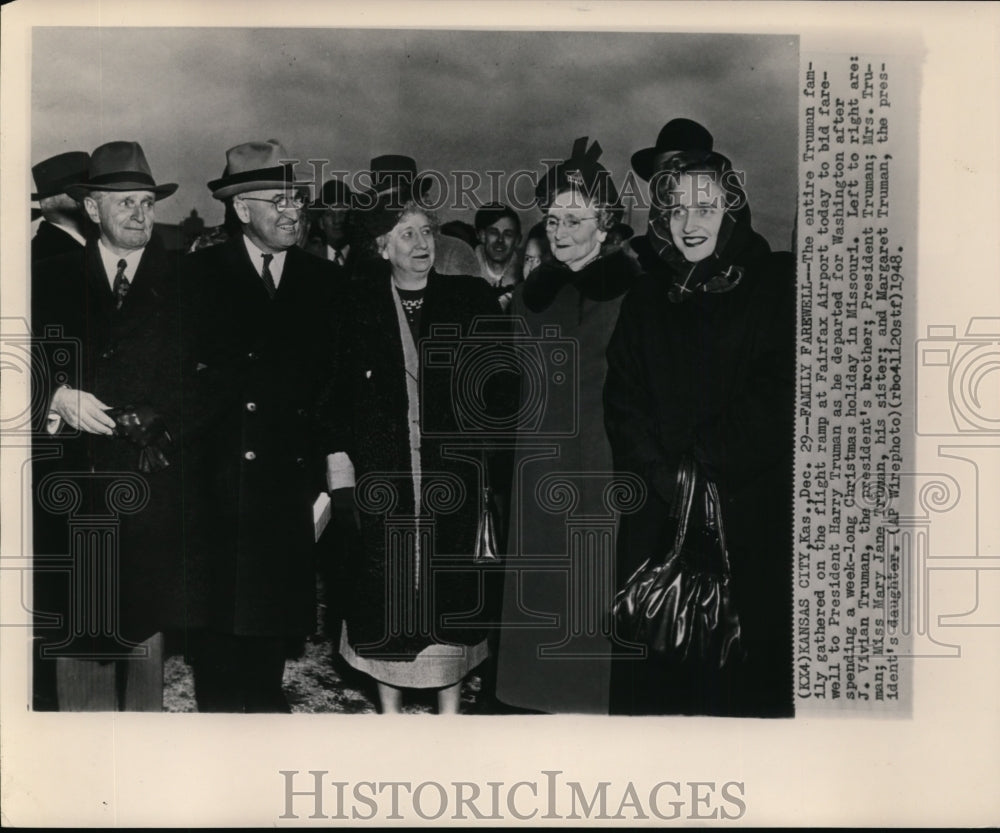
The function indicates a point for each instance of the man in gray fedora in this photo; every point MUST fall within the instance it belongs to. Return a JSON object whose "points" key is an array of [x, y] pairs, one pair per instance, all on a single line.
{"points": [[265, 326], [115, 424]]}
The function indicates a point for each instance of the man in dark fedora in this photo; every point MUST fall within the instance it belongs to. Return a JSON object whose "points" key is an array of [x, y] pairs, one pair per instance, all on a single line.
{"points": [[331, 218], [115, 423], [64, 226], [396, 172], [266, 322]]}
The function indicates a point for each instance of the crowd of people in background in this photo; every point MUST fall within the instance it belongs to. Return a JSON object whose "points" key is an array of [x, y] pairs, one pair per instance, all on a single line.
{"points": [[281, 399]]}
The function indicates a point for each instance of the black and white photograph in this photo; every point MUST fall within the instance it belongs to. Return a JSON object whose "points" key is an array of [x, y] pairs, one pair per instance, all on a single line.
{"points": [[641, 374], [515, 417]]}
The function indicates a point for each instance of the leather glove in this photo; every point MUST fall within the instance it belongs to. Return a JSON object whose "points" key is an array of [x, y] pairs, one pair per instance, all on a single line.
{"points": [[144, 427]]}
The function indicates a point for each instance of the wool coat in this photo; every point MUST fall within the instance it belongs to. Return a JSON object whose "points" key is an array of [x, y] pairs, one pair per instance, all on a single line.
{"points": [[260, 470], [712, 377], [397, 602], [558, 584], [52, 241], [139, 355]]}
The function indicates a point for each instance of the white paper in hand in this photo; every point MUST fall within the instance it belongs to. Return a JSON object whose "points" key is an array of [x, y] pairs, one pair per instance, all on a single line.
{"points": [[321, 513]]}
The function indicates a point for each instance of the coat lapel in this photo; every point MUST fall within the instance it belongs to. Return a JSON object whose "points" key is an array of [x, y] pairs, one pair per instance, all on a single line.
{"points": [[148, 290], [240, 266], [434, 300], [98, 287]]}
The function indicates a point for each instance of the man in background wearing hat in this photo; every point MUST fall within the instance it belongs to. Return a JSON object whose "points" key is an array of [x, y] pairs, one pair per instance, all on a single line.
{"points": [[64, 226], [331, 235], [266, 322], [116, 427], [393, 171]]}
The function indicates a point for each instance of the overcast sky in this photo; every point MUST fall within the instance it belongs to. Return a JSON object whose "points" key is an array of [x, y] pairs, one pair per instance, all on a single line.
{"points": [[451, 99]]}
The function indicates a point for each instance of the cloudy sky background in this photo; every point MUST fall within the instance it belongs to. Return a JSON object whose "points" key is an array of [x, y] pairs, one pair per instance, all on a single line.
{"points": [[454, 100]]}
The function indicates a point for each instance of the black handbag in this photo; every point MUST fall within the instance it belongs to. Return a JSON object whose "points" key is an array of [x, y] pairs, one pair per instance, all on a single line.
{"points": [[680, 605]]}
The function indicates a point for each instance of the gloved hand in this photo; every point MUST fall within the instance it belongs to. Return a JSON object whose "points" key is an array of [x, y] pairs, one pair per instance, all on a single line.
{"points": [[144, 427]]}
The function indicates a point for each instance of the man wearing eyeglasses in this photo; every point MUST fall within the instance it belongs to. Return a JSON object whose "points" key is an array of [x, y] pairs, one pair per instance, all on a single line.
{"points": [[265, 325]]}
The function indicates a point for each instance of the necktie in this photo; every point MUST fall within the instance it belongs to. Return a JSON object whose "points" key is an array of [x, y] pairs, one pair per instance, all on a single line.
{"points": [[121, 285], [265, 273], [340, 258]]}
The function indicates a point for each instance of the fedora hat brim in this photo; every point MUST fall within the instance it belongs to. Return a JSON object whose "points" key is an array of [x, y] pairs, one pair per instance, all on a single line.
{"points": [[83, 189], [50, 192], [226, 191], [420, 185], [261, 179]]}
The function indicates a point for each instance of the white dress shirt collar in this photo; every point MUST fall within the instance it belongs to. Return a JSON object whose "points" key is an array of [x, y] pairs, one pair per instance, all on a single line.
{"points": [[331, 252], [257, 259], [110, 261]]}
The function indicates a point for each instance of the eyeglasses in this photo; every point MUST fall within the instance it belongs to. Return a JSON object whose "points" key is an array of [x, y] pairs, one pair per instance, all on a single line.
{"points": [[571, 223], [282, 202]]}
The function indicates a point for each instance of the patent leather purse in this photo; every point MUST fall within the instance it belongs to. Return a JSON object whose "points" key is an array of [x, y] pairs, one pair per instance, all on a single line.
{"points": [[679, 604]]}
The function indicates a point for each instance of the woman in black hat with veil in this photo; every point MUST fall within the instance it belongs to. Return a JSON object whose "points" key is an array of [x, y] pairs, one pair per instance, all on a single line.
{"points": [[554, 650], [701, 366]]}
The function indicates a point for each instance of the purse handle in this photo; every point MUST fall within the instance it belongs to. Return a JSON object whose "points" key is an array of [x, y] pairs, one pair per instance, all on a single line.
{"points": [[687, 479], [683, 500]]}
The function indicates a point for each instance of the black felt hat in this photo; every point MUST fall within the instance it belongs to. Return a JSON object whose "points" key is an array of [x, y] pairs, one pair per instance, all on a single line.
{"points": [[54, 175], [377, 212], [393, 171], [582, 172], [676, 136], [334, 194]]}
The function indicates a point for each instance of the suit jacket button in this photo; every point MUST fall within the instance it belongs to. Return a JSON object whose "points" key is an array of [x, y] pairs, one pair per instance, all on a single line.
{"points": [[252, 356], [250, 456], [251, 406], [300, 462], [301, 412]]}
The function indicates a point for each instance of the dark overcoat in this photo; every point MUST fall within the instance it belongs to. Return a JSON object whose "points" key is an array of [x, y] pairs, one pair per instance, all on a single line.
{"points": [[260, 470], [558, 583], [137, 355], [366, 416], [712, 377], [52, 241]]}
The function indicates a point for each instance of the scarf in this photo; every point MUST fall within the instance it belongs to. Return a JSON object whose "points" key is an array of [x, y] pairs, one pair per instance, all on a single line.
{"points": [[606, 277], [721, 271]]}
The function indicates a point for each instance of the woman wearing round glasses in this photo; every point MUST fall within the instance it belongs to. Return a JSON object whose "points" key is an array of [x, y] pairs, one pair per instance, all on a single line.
{"points": [[702, 366], [553, 649]]}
